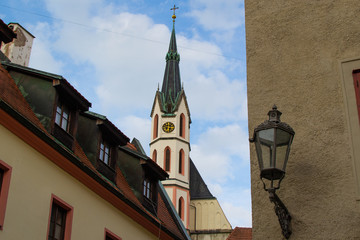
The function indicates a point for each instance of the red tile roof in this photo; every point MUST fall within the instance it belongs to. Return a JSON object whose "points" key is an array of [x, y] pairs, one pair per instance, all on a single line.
{"points": [[11, 94], [240, 233]]}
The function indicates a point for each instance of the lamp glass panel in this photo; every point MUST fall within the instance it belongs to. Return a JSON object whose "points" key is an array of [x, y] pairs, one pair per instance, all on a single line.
{"points": [[282, 142], [266, 140]]}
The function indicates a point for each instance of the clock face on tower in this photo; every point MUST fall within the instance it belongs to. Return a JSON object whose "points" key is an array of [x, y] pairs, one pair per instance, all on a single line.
{"points": [[168, 127]]}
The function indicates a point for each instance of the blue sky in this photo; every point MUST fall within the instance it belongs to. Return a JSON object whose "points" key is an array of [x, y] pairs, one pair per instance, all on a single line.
{"points": [[113, 52]]}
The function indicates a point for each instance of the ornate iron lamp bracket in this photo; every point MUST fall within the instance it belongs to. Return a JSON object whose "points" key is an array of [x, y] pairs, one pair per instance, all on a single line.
{"points": [[282, 213]]}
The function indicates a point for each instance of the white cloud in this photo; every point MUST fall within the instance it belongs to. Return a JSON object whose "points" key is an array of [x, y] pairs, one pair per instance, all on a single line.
{"points": [[237, 207], [41, 57], [221, 17], [133, 126], [125, 54], [217, 150]]}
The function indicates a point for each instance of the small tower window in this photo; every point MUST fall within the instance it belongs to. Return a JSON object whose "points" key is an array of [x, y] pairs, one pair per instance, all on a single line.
{"points": [[167, 159], [181, 162], [156, 126], [182, 125], [154, 156], [181, 208]]}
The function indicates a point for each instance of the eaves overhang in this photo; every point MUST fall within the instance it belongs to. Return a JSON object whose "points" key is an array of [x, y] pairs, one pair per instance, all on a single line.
{"points": [[58, 81], [10, 117], [106, 126]]}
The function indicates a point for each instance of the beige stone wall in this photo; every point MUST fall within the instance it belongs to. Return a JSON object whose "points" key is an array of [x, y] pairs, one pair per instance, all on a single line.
{"points": [[34, 178], [178, 184], [295, 56], [213, 236], [208, 221]]}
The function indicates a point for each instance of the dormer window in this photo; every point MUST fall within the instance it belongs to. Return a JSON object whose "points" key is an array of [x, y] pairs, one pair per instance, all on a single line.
{"points": [[104, 153], [152, 173], [64, 123], [62, 117], [147, 189], [149, 195]]}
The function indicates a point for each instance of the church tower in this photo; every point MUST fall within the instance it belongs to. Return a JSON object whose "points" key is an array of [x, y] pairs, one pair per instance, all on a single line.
{"points": [[170, 132]]}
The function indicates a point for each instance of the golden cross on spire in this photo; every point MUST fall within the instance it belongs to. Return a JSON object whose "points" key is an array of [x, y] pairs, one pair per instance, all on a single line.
{"points": [[174, 16]]}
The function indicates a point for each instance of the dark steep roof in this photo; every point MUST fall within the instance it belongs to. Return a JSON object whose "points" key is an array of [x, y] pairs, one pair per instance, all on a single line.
{"points": [[198, 188], [171, 86]]}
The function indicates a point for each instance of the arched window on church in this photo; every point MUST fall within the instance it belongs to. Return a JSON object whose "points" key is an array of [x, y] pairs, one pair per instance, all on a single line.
{"points": [[154, 156], [156, 126], [181, 161], [167, 159], [181, 208], [182, 125]]}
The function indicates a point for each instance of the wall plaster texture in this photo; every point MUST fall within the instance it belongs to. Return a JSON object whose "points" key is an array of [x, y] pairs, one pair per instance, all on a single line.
{"points": [[294, 54]]}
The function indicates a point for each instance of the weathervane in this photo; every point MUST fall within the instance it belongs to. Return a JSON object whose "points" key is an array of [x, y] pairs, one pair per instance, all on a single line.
{"points": [[174, 16]]}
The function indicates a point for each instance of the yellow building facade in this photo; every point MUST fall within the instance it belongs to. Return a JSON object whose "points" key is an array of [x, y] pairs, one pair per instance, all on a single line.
{"points": [[64, 171]]}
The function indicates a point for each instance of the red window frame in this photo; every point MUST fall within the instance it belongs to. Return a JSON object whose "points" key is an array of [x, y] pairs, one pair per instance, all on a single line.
{"points": [[154, 157], [69, 210], [182, 125], [4, 190], [356, 78], [110, 235], [181, 161], [156, 126], [181, 208]]}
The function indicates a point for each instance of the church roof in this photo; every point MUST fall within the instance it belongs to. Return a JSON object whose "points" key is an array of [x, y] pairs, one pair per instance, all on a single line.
{"points": [[171, 86], [198, 188]]}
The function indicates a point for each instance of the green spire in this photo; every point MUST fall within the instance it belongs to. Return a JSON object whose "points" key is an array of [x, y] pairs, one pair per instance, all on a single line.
{"points": [[171, 86]]}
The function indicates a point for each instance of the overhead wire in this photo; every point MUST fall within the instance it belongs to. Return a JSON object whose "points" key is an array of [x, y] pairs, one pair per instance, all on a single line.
{"points": [[113, 32]]}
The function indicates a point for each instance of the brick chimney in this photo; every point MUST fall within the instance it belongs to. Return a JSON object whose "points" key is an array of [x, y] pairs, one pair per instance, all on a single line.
{"points": [[18, 51]]}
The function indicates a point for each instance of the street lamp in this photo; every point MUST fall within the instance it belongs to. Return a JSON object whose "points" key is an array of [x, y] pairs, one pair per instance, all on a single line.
{"points": [[272, 140]]}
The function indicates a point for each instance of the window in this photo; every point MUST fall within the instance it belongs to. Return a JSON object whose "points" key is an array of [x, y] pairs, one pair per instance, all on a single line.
{"points": [[154, 156], [181, 162], [57, 222], [60, 220], [156, 126], [181, 208], [147, 192], [149, 200], [356, 77], [104, 153], [110, 235], [182, 125], [350, 69], [62, 116], [167, 159], [5, 174], [1, 177]]}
